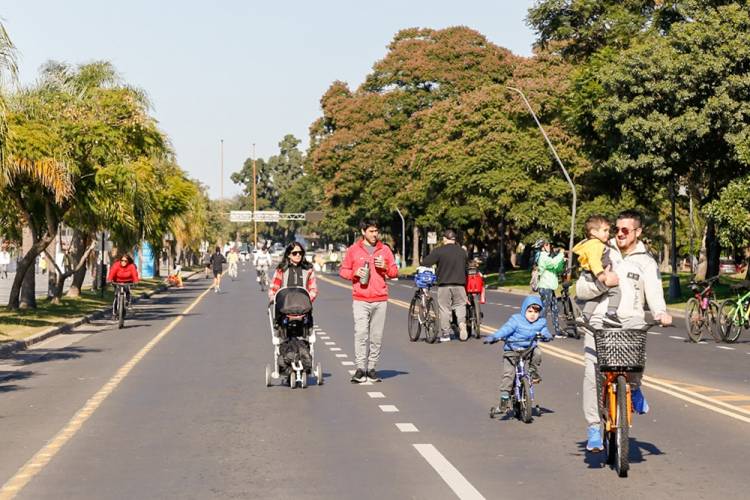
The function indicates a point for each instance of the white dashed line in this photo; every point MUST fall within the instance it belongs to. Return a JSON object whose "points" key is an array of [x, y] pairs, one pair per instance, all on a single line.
{"points": [[330, 343], [347, 363], [406, 427], [654, 333], [342, 356], [352, 372], [388, 408], [725, 347], [457, 482], [324, 337], [676, 337], [335, 349], [376, 395]]}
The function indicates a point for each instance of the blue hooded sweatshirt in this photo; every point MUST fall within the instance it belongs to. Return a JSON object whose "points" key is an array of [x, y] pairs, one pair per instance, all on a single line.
{"points": [[518, 333]]}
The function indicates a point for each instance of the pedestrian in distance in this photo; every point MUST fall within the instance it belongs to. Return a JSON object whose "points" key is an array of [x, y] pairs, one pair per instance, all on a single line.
{"points": [[452, 265], [519, 333], [549, 264], [4, 262], [640, 284], [367, 264], [206, 263], [217, 262]]}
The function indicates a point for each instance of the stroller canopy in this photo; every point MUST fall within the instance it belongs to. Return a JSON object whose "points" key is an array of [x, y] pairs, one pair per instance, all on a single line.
{"points": [[292, 300]]}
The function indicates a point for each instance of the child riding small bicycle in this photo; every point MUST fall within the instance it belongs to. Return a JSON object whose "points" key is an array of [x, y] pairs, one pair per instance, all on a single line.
{"points": [[519, 333]]}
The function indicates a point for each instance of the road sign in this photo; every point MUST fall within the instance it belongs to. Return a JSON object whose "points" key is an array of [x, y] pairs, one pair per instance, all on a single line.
{"points": [[431, 238], [266, 216], [241, 216]]}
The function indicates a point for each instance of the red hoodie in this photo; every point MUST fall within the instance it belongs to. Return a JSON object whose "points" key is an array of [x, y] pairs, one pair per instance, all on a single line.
{"points": [[376, 289], [127, 274]]}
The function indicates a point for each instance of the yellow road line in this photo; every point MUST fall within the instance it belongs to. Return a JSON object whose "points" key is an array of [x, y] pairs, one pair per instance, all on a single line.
{"points": [[678, 390], [15, 484]]}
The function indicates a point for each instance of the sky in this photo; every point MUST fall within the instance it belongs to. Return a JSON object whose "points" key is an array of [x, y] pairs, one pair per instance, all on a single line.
{"points": [[247, 72]]}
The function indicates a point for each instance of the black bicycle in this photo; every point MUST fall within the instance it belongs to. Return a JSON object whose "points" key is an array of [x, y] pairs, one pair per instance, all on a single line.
{"points": [[120, 302], [568, 309], [422, 310]]}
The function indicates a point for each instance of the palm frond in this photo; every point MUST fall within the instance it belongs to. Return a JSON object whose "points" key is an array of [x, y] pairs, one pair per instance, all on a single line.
{"points": [[50, 173]]}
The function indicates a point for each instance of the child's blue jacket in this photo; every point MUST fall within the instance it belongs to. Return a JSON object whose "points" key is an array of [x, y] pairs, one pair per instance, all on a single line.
{"points": [[518, 333]]}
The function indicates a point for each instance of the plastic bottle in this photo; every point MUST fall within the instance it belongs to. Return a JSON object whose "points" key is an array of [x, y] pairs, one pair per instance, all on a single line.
{"points": [[366, 278]]}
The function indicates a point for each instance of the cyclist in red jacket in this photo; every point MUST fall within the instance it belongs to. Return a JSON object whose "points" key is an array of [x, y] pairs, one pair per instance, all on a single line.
{"points": [[124, 271]]}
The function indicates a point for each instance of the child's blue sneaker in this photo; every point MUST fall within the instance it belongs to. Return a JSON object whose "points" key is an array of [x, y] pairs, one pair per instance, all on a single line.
{"points": [[640, 405], [594, 439]]}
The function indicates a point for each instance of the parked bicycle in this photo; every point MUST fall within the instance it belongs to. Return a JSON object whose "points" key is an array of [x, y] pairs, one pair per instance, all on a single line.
{"points": [[522, 395], [734, 314], [422, 310], [120, 302], [702, 311], [568, 309]]}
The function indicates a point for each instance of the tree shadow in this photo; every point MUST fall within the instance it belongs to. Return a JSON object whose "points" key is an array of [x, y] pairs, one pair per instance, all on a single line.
{"points": [[12, 376], [25, 358]]}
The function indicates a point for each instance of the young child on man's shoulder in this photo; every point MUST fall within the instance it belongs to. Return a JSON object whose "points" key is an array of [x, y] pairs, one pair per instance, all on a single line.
{"points": [[597, 278], [520, 333]]}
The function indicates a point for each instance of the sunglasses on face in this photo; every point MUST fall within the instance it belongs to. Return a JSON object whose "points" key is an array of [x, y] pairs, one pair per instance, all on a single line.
{"points": [[296, 252], [124, 260], [624, 230]]}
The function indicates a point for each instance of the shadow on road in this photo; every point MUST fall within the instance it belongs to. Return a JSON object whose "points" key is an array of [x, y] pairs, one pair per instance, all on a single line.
{"points": [[6, 376], [391, 373], [639, 450], [45, 355]]}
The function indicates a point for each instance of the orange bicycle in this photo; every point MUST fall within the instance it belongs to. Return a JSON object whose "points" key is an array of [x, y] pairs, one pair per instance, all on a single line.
{"points": [[620, 353]]}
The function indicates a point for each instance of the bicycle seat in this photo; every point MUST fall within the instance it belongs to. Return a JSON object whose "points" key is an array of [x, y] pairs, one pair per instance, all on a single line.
{"points": [[742, 285]]}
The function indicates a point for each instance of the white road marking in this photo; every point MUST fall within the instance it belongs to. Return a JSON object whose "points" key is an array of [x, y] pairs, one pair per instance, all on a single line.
{"points": [[330, 343], [388, 408], [725, 347], [376, 395], [347, 363], [452, 477], [352, 372], [324, 337], [335, 349], [342, 356], [676, 337], [407, 427], [654, 333]]}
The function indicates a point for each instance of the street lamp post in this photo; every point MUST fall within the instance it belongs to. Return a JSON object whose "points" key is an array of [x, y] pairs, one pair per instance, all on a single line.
{"points": [[565, 172], [221, 192], [255, 201], [674, 280], [403, 236]]}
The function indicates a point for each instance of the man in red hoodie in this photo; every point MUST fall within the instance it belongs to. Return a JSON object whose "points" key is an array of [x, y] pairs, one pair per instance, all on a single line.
{"points": [[367, 264]]}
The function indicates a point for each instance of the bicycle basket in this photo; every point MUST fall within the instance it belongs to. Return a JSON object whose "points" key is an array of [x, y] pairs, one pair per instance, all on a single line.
{"points": [[621, 350], [425, 279]]}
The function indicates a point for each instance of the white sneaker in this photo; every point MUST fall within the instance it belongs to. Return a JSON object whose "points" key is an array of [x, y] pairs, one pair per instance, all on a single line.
{"points": [[445, 338]]}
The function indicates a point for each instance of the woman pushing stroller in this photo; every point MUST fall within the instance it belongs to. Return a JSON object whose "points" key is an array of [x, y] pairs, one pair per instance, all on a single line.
{"points": [[294, 271]]}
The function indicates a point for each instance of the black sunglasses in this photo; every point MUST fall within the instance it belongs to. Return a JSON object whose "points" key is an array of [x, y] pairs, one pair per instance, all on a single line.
{"points": [[296, 252]]}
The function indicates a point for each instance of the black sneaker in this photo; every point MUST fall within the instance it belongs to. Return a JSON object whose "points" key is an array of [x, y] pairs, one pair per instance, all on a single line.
{"points": [[611, 320], [372, 376], [359, 376]]}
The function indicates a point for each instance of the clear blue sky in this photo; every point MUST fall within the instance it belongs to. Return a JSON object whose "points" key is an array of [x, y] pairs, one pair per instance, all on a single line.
{"points": [[245, 71]]}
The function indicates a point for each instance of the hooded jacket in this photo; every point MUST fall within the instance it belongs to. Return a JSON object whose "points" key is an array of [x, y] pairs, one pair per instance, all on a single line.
{"points": [[518, 333], [376, 289], [549, 268], [590, 253]]}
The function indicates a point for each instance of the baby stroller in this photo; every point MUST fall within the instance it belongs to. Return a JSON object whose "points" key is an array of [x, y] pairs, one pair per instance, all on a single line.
{"points": [[293, 338]]}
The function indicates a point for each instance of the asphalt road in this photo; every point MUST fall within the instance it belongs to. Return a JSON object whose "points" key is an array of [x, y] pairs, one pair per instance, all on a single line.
{"points": [[192, 417]]}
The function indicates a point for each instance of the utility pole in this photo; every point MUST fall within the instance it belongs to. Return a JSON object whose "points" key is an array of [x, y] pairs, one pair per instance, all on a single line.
{"points": [[403, 236], [221, 193], [255, 200]]}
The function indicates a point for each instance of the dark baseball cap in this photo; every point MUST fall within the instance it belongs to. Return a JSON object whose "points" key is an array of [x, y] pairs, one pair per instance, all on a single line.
{"points": [[449, 234]]}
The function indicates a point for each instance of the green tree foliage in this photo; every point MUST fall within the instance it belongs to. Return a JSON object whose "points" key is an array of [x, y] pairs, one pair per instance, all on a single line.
{"points": [[732, 213]]}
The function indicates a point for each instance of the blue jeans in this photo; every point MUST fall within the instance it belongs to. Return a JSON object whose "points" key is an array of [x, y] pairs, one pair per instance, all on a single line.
{"points": [[550, 305]]}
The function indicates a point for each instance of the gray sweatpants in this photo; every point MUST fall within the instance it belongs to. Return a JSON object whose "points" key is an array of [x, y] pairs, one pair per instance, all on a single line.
{"points": [[451, 298], [510, 360], [369, 321], [590, 391]]}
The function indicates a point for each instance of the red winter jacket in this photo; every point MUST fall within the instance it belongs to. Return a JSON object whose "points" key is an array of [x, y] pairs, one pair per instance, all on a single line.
{"points": [[127, 274], [376, 289]]}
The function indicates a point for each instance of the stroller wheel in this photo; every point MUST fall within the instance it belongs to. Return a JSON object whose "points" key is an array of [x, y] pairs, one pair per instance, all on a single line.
{"points": [[268, 376], [292, 380], [303, 380], [319, 374]]}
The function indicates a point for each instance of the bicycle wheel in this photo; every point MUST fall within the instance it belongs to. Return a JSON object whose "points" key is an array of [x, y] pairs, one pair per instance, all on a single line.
{"points": [[729, 320], [712, 320], [121, 310], [475, 319], [694, 319], [430, 321], [623, 429], [570, 318], [526, 403], [414, 326]]}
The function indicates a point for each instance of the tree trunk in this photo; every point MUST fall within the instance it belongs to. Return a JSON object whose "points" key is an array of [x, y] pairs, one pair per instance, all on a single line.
{"points": [[702, 267], [713, 250], [665, 258], [414, 246], [24, 283], [78, 252]]}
